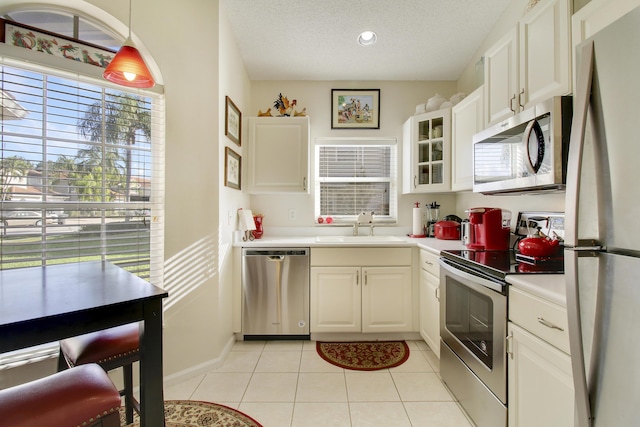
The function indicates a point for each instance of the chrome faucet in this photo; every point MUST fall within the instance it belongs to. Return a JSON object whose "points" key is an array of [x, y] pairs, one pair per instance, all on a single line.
{"points": [[364, 218]]}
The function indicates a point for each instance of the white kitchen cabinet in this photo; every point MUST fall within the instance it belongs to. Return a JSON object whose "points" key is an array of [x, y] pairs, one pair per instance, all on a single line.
{"points": [[426, 153], [430, 300], [501, 77], [540, 379], [467, 119], [371, 295], [531, 63], [540, 382], [336, 299], [278, 155]]}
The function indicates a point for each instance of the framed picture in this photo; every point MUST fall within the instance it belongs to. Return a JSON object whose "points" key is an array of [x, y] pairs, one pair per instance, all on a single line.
{"points": [[233, 122], [232, 168], [355, 108]]}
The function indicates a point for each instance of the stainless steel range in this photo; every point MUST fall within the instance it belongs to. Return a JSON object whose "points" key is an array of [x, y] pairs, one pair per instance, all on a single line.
{"points": [[473, 321]]}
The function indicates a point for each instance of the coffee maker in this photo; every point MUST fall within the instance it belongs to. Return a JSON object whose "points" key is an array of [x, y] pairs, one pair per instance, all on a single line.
{"points": [[489, 229]]}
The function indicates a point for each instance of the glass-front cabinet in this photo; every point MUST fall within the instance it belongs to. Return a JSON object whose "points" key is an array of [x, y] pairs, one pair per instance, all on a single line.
{"points": [[427, 153]]}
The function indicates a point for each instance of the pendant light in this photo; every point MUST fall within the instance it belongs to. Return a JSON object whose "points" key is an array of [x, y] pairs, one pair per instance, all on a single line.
{"points": [[127, 68]]}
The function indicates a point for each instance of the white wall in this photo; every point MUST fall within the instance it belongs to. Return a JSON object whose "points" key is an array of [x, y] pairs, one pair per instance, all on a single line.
{"points": [[192, 44], [234, 82], [183, 38], [398, 102]]}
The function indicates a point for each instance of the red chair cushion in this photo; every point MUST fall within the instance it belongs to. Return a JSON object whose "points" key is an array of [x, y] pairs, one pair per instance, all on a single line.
{"points": [[65, 399], [102, 346]]}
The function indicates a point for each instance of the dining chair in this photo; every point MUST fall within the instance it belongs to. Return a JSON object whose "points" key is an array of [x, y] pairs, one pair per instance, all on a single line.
{"points": [[112, 348], [84, 396]]}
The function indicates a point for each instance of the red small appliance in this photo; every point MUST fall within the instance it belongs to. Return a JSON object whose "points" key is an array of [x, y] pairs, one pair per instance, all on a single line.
{"points": [[489, 229]]}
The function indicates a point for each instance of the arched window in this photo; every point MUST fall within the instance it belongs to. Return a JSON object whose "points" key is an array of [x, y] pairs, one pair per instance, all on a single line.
{"points": [[81, 160], [66, 24]]}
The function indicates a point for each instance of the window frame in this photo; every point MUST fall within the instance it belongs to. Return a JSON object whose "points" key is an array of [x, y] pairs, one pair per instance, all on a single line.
{"points": [[34, 61], [390, 219]]}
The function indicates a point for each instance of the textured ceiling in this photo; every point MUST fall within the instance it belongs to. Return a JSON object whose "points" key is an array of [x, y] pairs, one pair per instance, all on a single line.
{"points": [[316, 39]]}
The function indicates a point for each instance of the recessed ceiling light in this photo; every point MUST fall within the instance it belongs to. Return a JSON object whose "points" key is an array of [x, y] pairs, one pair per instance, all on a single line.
{"points": [[367, 38]]}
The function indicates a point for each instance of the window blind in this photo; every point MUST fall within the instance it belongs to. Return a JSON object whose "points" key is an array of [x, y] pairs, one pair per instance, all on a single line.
{"points": [[354, 176], [81, 166], [76, 172], [81, 176]]}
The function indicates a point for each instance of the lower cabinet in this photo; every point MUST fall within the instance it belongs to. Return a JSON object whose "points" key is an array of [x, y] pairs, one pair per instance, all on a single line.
{"points": [[360, 298], [540, 380], [430, 300]]}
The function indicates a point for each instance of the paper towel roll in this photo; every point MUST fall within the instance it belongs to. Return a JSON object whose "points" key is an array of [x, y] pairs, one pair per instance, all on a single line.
{"points": [[417, 222]]}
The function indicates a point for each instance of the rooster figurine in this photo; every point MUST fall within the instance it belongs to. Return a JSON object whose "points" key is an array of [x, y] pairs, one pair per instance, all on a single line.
{"points": [[284, 106]]}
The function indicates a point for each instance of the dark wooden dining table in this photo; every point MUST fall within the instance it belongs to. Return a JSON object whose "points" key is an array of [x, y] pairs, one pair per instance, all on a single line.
{"points": [[45, 304]]}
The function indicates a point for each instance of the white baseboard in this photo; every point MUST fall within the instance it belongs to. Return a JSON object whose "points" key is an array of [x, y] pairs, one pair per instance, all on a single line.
{"points": [[202, 368]]}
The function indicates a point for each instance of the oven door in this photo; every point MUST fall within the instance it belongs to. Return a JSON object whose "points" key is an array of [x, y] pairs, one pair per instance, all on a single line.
{"points": [[473, 321]]}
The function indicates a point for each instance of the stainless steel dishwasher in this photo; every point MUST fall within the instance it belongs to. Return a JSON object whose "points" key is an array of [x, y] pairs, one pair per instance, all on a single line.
{"points": [[275, 284]]}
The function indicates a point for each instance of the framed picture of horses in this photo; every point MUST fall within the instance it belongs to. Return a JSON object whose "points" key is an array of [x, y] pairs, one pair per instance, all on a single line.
{"points": [[355, 108]]}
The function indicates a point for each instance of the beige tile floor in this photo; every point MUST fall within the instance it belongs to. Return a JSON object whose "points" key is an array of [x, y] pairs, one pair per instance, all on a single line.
{"points": [[286, 384]]}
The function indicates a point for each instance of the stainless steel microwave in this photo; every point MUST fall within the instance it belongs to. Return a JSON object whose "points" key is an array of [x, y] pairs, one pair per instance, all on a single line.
{"points": [[526, 153]]}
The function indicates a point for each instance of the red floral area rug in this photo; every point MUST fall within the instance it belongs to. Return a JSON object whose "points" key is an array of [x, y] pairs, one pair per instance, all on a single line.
{"points": [[191, 413], [364, 355]]}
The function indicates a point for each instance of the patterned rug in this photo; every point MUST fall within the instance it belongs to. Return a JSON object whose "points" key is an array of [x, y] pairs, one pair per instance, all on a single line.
{"points": [[191, 413], [364, 355]]}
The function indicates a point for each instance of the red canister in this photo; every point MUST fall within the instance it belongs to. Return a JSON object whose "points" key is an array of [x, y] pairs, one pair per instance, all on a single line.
{"points": [[447, 230]]}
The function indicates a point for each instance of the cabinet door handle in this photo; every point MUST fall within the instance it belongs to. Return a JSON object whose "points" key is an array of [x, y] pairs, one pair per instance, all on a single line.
{"points": [[357, 278], [520, 98], [428, 263], [548, 324], [415, 181], [511, 107], [437, 292], [304, 183], [510, 345], [364, 281]]}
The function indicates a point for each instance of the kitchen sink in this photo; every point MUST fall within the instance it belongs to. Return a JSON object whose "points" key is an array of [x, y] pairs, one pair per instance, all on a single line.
{"points": [[357, 239]]}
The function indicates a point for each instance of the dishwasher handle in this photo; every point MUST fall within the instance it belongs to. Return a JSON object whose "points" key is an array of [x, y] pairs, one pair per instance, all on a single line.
{"points": [[276, 252], [276, 258]]}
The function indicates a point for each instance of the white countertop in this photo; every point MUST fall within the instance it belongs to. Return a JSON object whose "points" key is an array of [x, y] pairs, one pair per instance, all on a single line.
{"points": [[428, 243], [546, 286]]}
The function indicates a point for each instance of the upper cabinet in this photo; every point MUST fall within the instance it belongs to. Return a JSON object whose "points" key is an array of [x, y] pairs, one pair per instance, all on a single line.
{"points": [[501, 77], [531, 63], [467, 119], [426, 152], [277, 159]]}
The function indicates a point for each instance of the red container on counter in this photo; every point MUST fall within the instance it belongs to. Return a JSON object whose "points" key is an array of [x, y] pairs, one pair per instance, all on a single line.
{"points": [[447, 230]]}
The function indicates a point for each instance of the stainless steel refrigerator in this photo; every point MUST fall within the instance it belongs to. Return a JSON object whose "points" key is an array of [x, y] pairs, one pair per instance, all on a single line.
{"points": [[602, 232]]}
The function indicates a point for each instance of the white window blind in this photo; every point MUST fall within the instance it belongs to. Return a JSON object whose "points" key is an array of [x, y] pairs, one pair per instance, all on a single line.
{"points": [[354, 176], [80, 167]]}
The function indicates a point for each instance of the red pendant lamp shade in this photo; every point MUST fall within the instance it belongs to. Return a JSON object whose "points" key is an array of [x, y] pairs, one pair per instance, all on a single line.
{"points": [[128, 68]]}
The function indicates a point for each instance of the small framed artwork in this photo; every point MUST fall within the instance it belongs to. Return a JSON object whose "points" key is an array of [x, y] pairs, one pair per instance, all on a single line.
{"points": [[233, 122], [355, 108], [232, 168]]}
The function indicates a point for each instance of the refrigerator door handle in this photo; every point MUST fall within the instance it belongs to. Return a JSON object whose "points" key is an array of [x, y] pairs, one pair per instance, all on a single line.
{"points": [[582, 97]]}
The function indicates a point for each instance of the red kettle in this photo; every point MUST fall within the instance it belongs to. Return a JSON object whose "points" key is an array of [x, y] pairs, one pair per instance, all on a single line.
{"points": [[538, 245]]}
